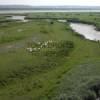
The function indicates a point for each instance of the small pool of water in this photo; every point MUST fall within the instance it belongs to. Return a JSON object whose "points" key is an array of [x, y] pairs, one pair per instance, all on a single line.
{"points": [[64, 21], [88, 31], [18, 18]]}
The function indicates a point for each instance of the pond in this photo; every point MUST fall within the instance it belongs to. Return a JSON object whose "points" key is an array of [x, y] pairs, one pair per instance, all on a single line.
{"points": [[63, 21], [88, 31], [18, 18]]}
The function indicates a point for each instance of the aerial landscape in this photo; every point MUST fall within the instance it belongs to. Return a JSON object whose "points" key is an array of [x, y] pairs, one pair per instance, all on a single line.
{"points": [[49, 50]]}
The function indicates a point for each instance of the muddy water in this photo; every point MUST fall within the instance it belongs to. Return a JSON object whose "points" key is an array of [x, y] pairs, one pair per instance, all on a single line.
{"points": [[88, 31]]}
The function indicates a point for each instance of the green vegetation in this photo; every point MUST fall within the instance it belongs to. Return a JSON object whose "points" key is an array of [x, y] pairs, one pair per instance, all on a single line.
{"points": [[43, 59]]}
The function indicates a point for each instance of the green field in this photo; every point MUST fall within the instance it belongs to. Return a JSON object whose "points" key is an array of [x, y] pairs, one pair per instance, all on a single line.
{"points": [[43, 59]]}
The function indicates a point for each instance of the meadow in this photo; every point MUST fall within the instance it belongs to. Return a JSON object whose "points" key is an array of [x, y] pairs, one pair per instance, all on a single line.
{"points": [[44, 59]]}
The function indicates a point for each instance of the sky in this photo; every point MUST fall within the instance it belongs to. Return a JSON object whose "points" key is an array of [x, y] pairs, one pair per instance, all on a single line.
{"points": [[52, 2]]}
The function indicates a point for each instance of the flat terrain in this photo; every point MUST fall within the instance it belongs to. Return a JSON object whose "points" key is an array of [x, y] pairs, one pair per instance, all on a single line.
{"points": [[43, 59]]}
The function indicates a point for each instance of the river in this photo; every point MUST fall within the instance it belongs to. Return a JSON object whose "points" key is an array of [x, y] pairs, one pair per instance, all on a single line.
{"points": [[34, 11]]}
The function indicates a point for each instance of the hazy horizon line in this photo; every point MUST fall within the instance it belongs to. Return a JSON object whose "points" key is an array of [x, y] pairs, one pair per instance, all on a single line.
{"points": [[47, 5]]}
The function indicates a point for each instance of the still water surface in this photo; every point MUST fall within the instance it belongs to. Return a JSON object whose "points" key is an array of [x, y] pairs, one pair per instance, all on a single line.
{"points": [[34, 11], [20, 18], [88, 31]]}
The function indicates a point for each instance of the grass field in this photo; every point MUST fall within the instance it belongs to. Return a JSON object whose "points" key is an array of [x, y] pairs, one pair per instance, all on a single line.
{"points": [[43, 59]]}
